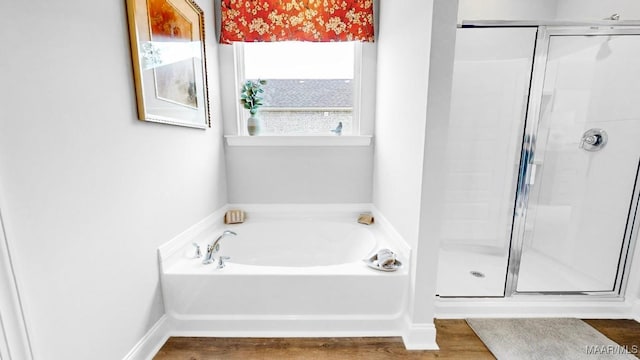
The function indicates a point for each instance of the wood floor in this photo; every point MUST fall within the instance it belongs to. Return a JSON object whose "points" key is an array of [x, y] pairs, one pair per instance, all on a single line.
{"points": [[455, 338]]}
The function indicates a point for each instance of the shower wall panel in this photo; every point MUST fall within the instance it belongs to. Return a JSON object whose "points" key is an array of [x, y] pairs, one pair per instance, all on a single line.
{"points": [[490, 90]]}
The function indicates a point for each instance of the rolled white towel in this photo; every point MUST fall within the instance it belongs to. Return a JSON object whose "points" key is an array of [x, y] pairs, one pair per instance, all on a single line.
{"points": [[386, 258]]}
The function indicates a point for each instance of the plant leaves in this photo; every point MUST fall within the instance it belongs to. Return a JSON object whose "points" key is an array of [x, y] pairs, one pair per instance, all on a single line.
{"points": [[249, 95]]}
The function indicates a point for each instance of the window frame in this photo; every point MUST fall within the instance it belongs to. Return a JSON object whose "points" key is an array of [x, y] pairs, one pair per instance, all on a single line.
{"points": [[242, 116]]}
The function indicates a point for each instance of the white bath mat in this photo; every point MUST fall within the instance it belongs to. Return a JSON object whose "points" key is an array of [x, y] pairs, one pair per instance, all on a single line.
{"points": [[543, 339]]}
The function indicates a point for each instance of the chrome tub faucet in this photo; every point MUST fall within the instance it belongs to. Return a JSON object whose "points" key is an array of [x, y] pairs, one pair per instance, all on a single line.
{"points": [[213, 248]]}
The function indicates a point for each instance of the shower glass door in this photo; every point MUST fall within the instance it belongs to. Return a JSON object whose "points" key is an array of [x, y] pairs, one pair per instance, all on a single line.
{"points": [[577, 191]]}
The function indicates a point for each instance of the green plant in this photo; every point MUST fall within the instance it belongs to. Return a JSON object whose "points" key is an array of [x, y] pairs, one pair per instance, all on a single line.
{"points": [[250, 95]]}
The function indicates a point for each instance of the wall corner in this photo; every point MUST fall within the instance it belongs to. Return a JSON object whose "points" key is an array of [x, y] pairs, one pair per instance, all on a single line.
{"points": [[420, 336], [152, 341]]}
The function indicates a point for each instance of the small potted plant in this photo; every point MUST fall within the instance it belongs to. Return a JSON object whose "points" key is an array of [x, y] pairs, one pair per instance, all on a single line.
{"points": [[251, 100]]}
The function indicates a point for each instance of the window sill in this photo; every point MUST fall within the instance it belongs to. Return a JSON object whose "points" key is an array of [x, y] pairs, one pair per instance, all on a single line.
{"points": [[304, 140]]}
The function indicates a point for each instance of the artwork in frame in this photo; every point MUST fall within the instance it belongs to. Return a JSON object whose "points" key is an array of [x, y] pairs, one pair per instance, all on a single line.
{"points": [[167, 46]]}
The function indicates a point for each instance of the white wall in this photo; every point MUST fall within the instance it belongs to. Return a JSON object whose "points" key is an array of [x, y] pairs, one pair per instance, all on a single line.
{"points": [[403, 68], [598, 9], [88, 191], [329, 175], [507, 9], [433, 204], [404, 42], [403, 64], [415, 67], [573, 10]]}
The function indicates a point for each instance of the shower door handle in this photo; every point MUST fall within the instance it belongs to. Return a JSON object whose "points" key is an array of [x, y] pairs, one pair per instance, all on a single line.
{"points": [[533, 169], [532, 174]]}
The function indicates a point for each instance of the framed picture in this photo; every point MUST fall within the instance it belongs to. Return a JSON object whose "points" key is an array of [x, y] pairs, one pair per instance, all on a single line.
{"points": [[167, 47]]}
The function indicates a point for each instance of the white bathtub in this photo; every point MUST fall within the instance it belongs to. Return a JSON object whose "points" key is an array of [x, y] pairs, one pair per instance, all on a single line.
{"points": [[290, 274], [301, 242]]}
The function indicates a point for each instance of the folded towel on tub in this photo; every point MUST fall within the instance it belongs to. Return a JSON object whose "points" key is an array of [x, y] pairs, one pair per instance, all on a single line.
{"points": [[386, 258]]}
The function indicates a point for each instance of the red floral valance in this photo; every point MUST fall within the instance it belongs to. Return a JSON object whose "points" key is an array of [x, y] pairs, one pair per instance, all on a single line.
{"points": [[296, 20]]}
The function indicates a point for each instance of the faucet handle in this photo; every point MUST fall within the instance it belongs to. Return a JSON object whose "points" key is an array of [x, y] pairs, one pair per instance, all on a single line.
{"points": [[221, 261], [198, 253]]}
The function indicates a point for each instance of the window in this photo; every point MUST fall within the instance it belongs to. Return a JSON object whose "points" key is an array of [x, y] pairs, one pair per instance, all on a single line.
{"points": [[311, 87]]}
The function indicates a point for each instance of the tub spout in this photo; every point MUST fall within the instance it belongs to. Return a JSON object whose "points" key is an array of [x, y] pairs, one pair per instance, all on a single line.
{"points": [[213, 249]]}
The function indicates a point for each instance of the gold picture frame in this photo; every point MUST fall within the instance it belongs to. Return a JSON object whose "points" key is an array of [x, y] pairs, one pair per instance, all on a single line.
{"points": [[169, 64]]}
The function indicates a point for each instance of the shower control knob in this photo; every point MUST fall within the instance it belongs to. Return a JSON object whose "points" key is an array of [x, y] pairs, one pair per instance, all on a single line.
{"points": [[593, 139]]}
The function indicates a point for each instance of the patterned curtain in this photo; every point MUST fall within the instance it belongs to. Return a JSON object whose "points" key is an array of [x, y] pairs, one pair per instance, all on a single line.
{"points": [[296, 20]]}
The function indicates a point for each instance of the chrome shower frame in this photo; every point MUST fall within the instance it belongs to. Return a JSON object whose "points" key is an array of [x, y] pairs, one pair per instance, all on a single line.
{"points": [[527, 166]]}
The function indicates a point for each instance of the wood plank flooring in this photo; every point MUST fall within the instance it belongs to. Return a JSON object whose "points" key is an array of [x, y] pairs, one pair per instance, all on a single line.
{"points": [[623, 332], [455, 338]]}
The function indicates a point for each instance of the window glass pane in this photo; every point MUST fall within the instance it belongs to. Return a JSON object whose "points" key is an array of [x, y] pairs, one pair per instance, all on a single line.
{"points": [[298, 60], [309, 86]]}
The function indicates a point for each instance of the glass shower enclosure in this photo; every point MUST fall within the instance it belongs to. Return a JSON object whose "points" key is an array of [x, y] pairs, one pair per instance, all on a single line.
{"points": [[543, 161]]}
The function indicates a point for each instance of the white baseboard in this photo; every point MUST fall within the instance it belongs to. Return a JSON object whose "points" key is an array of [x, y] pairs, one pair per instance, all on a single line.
{"points": [[420, 337], [151, 342], [496, 308], [636, 310]]}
